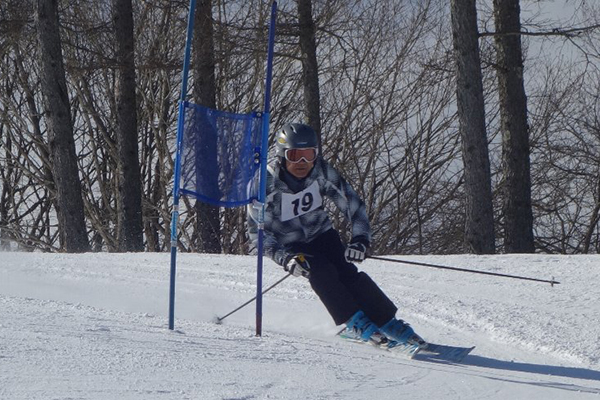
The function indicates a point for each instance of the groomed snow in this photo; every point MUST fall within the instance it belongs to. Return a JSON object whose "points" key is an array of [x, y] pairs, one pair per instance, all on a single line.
{"points": [[94, 326]]}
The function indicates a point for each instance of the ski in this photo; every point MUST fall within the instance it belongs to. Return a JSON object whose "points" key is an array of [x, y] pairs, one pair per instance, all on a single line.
{"points": [[381, 342], [431, 352], [441, 352], [404, 349]]}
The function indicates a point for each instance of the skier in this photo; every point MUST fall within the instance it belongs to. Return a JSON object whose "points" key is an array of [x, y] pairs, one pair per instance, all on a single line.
{"points": [[299, 236]]}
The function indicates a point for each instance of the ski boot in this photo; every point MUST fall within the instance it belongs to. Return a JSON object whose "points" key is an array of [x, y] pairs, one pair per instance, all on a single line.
{"points": [[360, 328], [400, 333]]}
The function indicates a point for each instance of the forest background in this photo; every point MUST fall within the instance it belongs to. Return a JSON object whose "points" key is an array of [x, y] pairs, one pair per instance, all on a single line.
{"points": [[376, 79]]}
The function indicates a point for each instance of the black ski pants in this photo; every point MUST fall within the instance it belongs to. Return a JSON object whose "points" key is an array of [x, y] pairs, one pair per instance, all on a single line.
{"points": [[341, 287]]}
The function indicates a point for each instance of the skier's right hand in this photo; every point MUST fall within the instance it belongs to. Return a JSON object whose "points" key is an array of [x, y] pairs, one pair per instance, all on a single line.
{"points": [[297, 265]]}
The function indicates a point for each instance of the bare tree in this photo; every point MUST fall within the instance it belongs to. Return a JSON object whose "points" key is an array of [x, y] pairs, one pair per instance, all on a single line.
{"points": [[69, 202], [310, 71], [208, 223], [516, 185], [479, 229], [130, 185], [159, 79], [566, 162], [388, 108]]}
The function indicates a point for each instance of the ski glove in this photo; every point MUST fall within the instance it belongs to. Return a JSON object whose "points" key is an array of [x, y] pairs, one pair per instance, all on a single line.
{"points": [[298, 265], [355, 252]]}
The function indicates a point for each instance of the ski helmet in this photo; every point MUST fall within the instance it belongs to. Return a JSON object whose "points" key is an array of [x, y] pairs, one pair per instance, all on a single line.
{"points": [[295, 136]]}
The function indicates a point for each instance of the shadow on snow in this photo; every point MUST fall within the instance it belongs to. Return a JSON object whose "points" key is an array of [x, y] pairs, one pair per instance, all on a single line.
{"points": [[544, 370]]}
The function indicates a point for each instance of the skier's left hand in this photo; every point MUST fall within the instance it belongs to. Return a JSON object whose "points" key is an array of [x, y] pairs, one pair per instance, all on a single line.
{"points": [[355, 252]]}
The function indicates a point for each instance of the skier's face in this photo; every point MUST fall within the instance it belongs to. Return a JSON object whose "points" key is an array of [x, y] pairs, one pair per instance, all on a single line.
{"points": [[300, 169]]}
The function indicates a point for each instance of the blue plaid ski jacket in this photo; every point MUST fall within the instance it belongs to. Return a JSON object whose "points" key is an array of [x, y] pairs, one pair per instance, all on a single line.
{"points": [[300, 215]]}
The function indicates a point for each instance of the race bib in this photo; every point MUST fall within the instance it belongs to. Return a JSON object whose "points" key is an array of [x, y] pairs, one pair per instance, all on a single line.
{"points": [[295, 205]]}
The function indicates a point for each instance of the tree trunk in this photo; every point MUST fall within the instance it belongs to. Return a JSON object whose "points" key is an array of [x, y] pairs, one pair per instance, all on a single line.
{"points": [[5, 195], [479, 229], [594, 219], [130, 185], [310, 72], [208, 224], [70, 210], [518, 216]]}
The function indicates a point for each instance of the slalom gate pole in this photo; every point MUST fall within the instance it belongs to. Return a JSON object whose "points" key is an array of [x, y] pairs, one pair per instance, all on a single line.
{"points": [[177, 172], [262, 195], [552, 282], [220, 319]]}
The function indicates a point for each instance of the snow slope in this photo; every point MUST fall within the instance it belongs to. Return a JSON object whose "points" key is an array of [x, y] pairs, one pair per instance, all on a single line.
{"points": [[94, 326]]}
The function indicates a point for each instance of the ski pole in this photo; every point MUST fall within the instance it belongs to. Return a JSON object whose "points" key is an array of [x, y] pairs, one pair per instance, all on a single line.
{"points": [[551, 282], [220, 319]]}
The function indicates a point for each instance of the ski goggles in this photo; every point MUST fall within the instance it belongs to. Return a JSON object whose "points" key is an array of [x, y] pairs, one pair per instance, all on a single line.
{"points": [[294, 156]]}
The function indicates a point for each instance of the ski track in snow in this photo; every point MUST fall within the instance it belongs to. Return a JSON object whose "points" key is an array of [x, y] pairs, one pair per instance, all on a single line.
{"points": [[94, 326]]}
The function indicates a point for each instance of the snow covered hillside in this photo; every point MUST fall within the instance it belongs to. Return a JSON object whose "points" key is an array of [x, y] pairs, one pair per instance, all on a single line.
{"points": [[94, 326]]}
